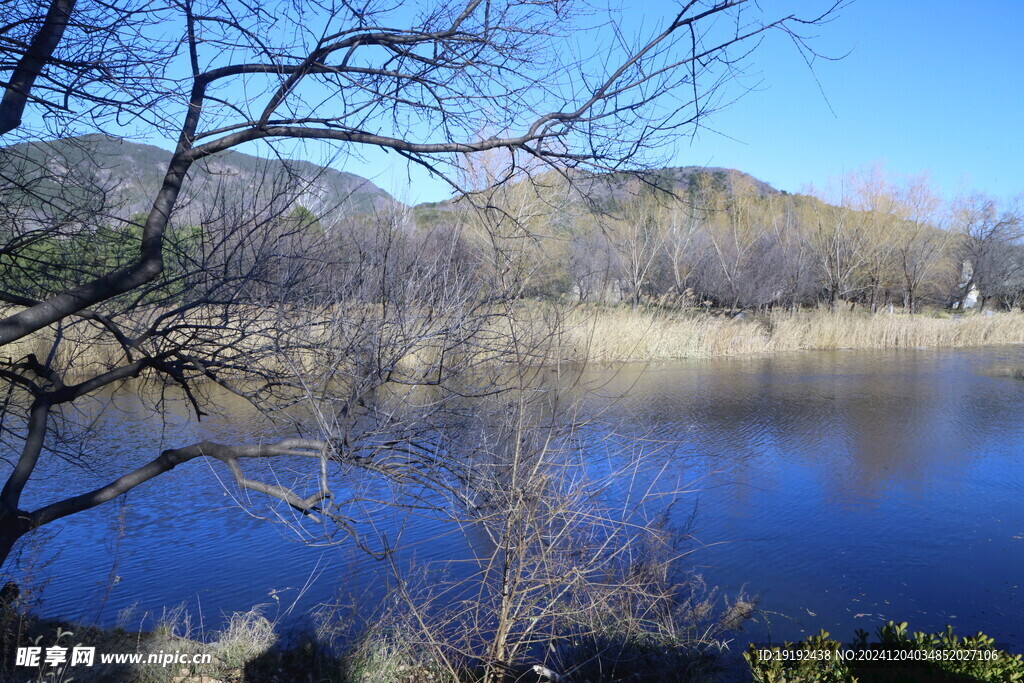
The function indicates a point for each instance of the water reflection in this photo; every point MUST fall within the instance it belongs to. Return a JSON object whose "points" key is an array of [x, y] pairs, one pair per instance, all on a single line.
{"points": [[857, 486], [844, 488]]}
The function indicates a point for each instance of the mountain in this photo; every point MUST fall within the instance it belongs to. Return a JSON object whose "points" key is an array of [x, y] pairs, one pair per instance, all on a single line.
{"points": [[682, 180], [607, 191], [129, 174]]}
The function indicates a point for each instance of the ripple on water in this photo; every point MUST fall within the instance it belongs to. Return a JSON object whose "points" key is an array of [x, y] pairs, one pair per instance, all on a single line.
{"points": [[843, 487]]}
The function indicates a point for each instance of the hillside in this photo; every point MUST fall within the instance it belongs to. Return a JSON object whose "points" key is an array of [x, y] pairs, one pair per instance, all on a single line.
{"points": [[605, 191], [681, 181], [128, 174]]}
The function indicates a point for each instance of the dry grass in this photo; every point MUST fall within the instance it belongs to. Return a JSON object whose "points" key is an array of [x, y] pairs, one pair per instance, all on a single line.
{"points": [[579, 333], [621, 334]]}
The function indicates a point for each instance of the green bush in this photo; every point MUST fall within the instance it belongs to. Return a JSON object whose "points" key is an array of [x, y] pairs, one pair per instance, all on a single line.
{"points": [[894, 655]]}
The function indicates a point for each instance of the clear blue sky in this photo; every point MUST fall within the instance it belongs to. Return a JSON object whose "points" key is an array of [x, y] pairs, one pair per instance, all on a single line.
{"points": [[930, 87], [926, 86]]}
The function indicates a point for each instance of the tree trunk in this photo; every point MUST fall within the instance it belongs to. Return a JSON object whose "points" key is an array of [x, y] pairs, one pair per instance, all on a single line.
{"points": [[12, 528]]}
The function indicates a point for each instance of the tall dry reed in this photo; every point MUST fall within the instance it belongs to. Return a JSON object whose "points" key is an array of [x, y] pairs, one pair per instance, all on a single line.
{"points": [[621, 334], [587, 333]]}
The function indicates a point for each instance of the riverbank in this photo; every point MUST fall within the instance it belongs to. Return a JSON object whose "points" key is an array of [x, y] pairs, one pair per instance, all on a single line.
{"points": [[248, 650], [623, 334]]}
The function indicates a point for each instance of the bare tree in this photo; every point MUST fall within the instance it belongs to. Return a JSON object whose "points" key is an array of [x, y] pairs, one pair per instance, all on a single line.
{"points": [[223, 302], [922, 242], [564, 580], [742, 266], [988, 236], [637, 237], [592, 263], [873, 209], [683, 219], [515, 223], [840, 249], [796, 254]]}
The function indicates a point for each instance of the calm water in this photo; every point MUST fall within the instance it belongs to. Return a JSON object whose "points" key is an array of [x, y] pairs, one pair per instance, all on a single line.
{"points": [[842, 488]]}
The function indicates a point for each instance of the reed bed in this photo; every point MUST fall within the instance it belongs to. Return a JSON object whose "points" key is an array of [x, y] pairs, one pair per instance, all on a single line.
{"points": [[619, 334], [544, 333]]}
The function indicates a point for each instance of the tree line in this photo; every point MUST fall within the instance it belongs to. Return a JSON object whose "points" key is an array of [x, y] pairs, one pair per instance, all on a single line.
{"points": [[718, 239], [708, 239]]}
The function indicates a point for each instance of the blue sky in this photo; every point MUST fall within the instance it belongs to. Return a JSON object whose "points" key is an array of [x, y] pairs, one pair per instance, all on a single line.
{"points": [[923, 87], [926, 87], [930, 87]]}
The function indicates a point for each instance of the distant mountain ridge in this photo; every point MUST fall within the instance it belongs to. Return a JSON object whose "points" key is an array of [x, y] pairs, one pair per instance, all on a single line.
{"points": [[605, 188], [132, 172], [681, 179]]}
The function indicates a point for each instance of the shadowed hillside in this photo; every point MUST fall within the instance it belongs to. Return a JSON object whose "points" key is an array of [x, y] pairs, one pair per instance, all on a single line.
{"points": [[127, 175]]}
